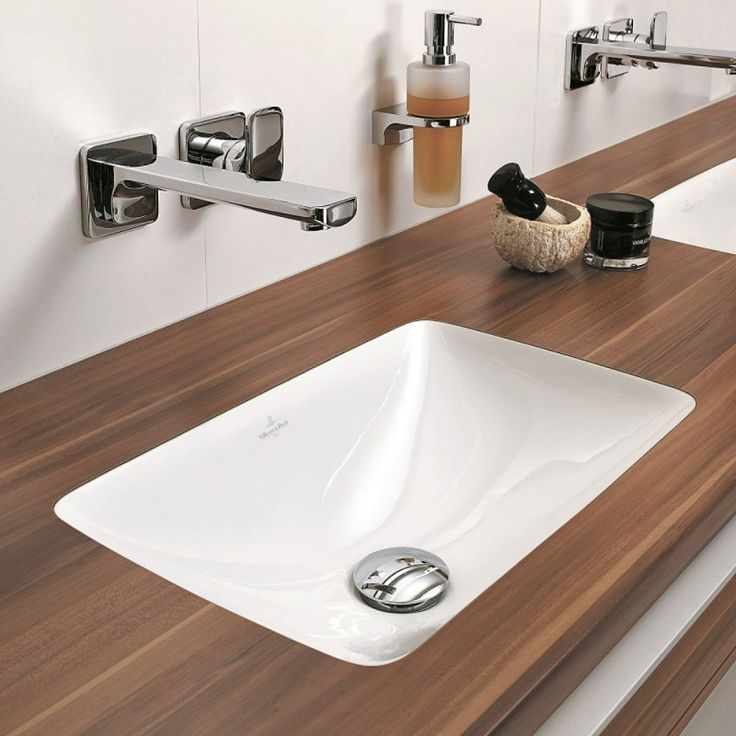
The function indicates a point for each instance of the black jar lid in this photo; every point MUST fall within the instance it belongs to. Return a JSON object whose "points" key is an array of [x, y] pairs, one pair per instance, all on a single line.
{"points": [[616, 209]]}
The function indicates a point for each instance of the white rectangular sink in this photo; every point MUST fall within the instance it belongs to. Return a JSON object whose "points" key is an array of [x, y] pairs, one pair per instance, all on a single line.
{"points": [[467, 445], [700, 210]]}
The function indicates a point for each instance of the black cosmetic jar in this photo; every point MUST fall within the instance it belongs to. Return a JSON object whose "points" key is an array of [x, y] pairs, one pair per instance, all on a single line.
{"points": [[620, 231]]}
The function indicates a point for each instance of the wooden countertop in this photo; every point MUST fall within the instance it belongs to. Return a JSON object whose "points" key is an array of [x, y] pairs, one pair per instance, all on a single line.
{"points": [[91, 643]]}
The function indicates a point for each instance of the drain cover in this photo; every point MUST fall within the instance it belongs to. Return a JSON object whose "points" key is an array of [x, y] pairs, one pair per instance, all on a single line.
{"points": [[401, 579]]}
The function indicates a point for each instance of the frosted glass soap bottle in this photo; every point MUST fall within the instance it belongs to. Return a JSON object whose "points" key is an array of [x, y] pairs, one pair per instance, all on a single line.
{"points": [[438, 86]]}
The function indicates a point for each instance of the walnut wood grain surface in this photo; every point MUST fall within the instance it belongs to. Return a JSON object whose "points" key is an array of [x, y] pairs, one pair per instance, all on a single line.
{"points": [[91, 643]]}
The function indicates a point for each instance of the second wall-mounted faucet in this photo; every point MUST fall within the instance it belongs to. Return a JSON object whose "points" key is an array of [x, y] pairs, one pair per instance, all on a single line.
{"points": [[231, 159], [611, 51]]}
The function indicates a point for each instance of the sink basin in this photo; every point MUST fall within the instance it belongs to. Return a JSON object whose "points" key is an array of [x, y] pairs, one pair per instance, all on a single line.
{"points": [[467, 445], [700, 210]]}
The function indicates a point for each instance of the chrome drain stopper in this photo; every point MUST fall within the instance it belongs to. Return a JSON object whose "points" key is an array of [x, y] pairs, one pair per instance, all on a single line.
{"points": [[401, 579]]}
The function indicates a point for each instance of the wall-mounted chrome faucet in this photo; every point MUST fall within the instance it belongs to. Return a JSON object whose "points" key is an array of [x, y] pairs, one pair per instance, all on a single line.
{"points": [[230, 159], [611, 51]]}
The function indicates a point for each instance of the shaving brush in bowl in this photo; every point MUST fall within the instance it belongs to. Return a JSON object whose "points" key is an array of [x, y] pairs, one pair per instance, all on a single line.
{"points": [[522, 197], [532, 231]]}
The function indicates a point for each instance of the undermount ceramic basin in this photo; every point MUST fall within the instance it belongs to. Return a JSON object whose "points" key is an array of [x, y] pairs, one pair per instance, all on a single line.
{"points": [[467, 445], [700, 210]]}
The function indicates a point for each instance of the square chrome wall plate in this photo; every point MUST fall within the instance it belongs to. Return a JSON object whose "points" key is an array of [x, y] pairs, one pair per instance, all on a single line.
{"points": [[576, 73], [228, 125], [109, 206]]}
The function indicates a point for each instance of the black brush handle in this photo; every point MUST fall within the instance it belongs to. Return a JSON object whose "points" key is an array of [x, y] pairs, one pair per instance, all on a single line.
{"points": [[520, 196]]}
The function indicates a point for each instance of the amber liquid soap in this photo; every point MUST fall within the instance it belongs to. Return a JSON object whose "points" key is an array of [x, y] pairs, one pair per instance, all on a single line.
{"points": [[437, 152], [437, 91]]}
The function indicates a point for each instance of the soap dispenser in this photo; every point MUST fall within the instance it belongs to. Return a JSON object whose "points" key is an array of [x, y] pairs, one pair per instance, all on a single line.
{"points": [[438, 86]]}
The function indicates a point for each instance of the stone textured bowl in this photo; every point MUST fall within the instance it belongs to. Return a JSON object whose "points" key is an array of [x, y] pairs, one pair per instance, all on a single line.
{"points": [[537, 246]]}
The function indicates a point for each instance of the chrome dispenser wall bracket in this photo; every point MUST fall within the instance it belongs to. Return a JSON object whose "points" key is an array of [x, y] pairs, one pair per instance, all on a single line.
{"points": [[394, 125]]}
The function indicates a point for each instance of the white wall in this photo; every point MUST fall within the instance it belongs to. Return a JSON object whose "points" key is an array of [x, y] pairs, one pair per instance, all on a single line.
{"points": [[70, 72], [80, 70]]}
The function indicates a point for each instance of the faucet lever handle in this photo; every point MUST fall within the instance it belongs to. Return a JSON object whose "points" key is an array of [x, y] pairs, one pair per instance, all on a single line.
{"points": [[658, 31], [265, 149]]}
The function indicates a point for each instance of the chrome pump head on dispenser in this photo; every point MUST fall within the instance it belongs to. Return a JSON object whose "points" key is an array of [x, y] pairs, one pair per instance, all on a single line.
{"points": [[439, 35]]}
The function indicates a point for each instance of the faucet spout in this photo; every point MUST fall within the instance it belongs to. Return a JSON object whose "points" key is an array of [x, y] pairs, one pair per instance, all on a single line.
{"points": [[312, 206], [121, 179], [711, 58]]}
